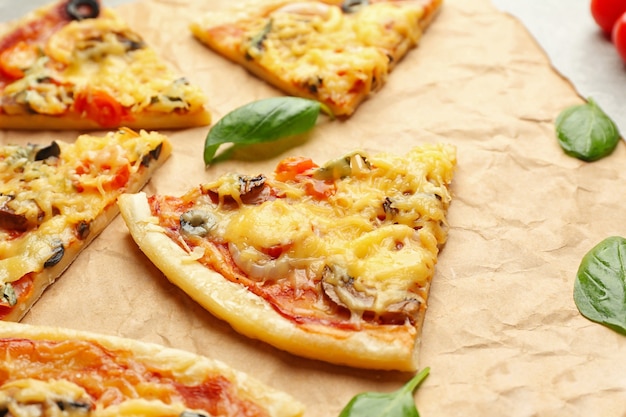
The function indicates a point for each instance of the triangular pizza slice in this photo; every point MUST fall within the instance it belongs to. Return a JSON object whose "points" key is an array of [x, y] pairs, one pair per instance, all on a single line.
{"points": [[329, 262], [76, 65], [333, 51]]}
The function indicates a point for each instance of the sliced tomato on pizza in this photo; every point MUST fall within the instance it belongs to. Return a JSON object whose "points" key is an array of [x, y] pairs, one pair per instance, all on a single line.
{"points": [[74, 64]]}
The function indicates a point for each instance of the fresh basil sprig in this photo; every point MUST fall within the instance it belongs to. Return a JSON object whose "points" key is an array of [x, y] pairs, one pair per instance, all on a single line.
{"points": [[600, 285], [398, 403], [586, 132], [262, 121]]}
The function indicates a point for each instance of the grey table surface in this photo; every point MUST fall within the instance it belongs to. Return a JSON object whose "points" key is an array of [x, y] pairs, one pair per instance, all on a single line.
{"points": [[577, 48], [564, 29]]}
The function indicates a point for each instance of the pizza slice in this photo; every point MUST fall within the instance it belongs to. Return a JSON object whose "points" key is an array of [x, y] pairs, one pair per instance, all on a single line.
{"points": [[75, 65], [54, 200], [48, 371], [333, 51], [329, 262]]}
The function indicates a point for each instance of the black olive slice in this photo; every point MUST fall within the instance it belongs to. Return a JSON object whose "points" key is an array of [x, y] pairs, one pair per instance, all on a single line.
{"points": [[248, 184], [82, 229], [48, 151], [82, 9], [9, 297], [388, 207], [351, 6], [152, 155], [65, 405], [197, 222], [191, 414], [57, 255]]}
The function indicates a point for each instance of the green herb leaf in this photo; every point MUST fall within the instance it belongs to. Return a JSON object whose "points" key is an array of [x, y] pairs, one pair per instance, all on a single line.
{"points": [[600, 285], [8, 294], [586, 132], [262, 121], [399, 403], [257, 40]]}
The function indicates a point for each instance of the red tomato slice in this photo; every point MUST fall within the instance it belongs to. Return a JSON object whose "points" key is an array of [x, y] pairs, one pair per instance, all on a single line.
{"points": [[100, 107], [21, 55], [290, 168], [606, 13], [618, 36]]}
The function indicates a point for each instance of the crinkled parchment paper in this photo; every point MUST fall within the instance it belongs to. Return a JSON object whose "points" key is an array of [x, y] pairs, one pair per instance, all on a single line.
{"points": [[502, 335]]}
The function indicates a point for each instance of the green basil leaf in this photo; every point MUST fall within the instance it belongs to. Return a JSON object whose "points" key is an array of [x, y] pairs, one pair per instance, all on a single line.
{"points": [[399, 403], [600, 285], [586, 132], [262, 121]]}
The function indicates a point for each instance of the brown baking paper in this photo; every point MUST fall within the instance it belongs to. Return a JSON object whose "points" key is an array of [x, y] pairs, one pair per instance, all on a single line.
{"points": [[502, 335]]}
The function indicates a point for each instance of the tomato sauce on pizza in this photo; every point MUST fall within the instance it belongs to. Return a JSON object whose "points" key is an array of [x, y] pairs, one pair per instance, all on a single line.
{"points": [[51, 371], [112, 376]]}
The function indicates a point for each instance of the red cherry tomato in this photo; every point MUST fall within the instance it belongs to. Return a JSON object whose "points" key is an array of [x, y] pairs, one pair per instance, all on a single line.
{"points": [[618, 36], [606, 13]]}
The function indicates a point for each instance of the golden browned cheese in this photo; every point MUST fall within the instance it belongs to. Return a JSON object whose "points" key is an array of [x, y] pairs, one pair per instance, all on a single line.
{"points": [[55, 198], [319, 49], [382, 227], [101, 54]]}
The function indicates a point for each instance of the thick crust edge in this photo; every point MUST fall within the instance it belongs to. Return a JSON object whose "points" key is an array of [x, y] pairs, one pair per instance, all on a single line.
{"points": [[184, 364], [147, 121], [385, 348]]}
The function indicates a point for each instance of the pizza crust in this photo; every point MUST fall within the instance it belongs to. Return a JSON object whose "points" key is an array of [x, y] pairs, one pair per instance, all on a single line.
{"points": [[147, 120], [392, 347], [185, 365], [42, 280]]}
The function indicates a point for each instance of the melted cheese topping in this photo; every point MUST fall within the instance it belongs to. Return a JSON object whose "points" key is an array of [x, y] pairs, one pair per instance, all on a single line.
{"points": [[62, 398], [373, 242], [47, 204], [318, 47], [40, 378], [101, 55]]}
